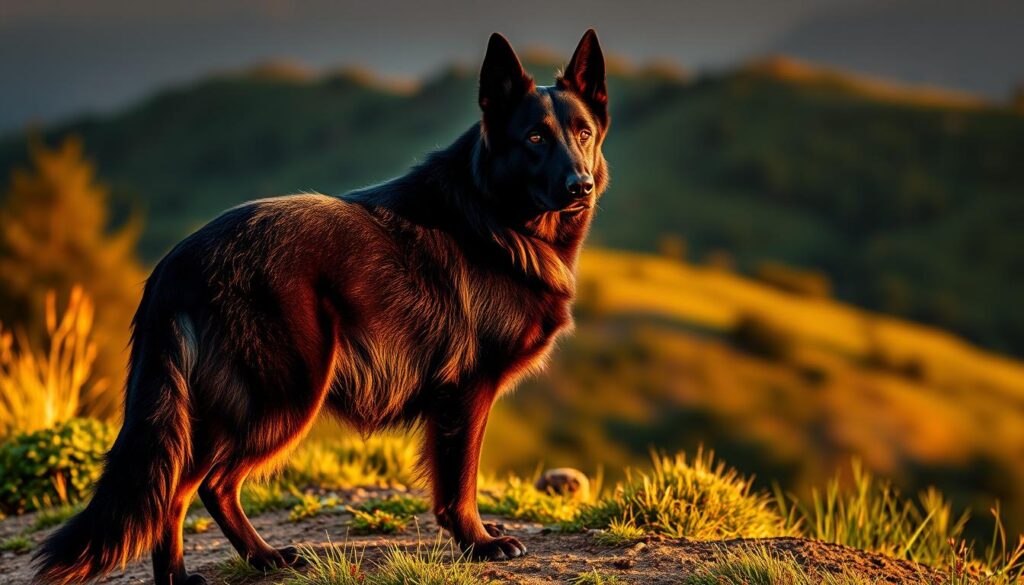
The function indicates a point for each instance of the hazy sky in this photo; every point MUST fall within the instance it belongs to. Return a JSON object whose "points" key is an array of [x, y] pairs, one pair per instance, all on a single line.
{"points": [[63, 57]]}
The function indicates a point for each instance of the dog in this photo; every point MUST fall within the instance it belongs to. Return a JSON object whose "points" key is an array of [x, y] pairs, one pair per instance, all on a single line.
{"points": [[417, 301]]}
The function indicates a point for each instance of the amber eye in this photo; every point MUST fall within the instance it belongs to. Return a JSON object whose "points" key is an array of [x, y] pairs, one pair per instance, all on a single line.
{"points": [[535, 138], [584, 135]]}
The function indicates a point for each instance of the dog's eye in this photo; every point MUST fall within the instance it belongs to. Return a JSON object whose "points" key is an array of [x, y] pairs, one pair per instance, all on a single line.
{"points": [[584, 135], [535, 138]]}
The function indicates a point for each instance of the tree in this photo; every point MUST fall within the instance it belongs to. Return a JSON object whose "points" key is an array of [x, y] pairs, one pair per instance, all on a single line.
{"points": [[56, 234]]}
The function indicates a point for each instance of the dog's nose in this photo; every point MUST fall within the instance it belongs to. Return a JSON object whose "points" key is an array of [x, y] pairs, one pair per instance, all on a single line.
{"points": [[579, 185]]}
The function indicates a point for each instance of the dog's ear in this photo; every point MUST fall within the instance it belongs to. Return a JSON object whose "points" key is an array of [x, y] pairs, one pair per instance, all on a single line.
{"points": [[585, 75], [503, 81]]}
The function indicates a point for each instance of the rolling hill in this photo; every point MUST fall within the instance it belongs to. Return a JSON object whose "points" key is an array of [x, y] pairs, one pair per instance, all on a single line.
{"points": [[908, 200]]}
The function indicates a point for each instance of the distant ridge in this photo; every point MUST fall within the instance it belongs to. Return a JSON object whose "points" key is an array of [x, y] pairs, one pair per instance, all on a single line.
{"points": [[791, 69]]}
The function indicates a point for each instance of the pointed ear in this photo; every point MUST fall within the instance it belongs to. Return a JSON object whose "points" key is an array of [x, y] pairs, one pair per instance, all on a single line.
{"points": [[585, 75], [503, 81]]}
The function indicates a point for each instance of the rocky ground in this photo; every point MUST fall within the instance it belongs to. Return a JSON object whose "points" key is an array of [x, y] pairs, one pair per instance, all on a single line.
{"points": [[553, 557]]}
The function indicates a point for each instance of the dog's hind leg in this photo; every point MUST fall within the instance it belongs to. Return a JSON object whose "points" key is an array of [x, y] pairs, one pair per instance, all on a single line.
{"points": [[220, 493], [168, 559]]}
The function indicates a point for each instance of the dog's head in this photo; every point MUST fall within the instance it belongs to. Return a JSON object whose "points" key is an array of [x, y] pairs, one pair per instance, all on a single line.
{"points": [[543, 144]]}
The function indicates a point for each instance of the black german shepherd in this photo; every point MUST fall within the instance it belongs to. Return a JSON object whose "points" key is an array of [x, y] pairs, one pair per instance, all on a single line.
{"points": [[417, 301]]}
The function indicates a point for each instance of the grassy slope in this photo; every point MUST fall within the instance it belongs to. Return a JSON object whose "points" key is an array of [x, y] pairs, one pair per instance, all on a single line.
{"points": [[659, 359], [906, 198]]}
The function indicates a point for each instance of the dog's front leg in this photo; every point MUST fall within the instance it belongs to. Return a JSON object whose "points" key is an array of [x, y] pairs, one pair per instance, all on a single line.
{"points": [[454, 436]]}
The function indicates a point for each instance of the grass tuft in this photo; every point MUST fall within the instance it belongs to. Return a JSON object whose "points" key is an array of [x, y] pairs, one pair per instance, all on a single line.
{"points": [[236, 570], [620, 532], [16, 544], [337, 565], [260, 498], [698, 498], [596, 578], [438, 564], [51, 517]]}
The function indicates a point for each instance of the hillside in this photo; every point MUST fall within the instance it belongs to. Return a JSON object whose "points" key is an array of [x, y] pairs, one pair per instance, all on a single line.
{"points": [[908, 200], [783, 385]]}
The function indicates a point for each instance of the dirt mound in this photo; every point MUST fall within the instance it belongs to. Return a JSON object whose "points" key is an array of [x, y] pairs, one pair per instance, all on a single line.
{"points": [[553, 558]]}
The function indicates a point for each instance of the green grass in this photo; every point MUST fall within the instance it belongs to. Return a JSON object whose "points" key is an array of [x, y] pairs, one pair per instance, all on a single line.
{"points": [[596, 578], [517, 498], [260, 498], [377, 522], [692, 498], [438, 563], [762, 567], [237, 570], [17, 544], [337, 565], [377, 461], [51, 517], [873, 515], [399, 504], [620, 532]]}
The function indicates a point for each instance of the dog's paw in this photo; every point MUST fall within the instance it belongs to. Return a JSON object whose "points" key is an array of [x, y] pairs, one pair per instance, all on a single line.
{"points": [[501, 548], [494, 529], [292, 557]]}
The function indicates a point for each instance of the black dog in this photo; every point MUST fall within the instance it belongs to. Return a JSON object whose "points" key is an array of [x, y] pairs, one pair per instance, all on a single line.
{"points": [[416, 301]]}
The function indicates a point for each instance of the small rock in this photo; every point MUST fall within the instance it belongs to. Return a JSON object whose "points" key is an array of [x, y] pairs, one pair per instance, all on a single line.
{"points": [[565, 481]]}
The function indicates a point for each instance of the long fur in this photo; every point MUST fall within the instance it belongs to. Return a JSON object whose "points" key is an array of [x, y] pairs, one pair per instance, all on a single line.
{"points": [[417, 301]]}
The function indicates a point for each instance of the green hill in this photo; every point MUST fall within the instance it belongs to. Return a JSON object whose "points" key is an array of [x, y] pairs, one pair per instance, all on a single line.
{"points": [[909, 200]]}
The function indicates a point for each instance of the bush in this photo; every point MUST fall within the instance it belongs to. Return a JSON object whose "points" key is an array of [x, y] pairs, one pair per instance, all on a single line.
{"points": [[53, 467]]}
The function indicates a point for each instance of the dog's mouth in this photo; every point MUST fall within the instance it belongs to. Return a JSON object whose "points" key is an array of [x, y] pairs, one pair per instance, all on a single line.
{"points": [[578, 206]]}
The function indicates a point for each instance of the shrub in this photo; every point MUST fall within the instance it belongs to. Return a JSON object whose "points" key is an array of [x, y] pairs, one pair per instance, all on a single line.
{"points": [[697, 498], [41, 388], [52, 467]]}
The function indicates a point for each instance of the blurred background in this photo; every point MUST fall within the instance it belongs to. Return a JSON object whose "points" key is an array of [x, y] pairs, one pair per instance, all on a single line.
{"points": [[812, 249]]}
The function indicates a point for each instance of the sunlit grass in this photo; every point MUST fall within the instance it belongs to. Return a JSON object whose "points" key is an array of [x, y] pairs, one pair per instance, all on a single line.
{"points": [[872, 515], [596, 577], [375, 461], [42, 387], [437, 563], [517, 498], [236, 570], [694, 498]]}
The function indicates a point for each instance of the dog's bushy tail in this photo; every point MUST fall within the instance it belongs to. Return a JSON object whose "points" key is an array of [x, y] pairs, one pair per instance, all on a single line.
{"points": [[142, 469]]}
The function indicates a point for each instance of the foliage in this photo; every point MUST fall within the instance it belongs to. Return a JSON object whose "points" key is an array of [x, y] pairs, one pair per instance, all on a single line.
{"points": [[55, 234], [596, 578], [17, 544], [620, 532], [439, 563], [260, 498], [517, 498], [698, 498], [51, 517], [345, 463], [196, 524], [873, 516], [337, 565], [52, 467], [399, 504], [758, 566], [235, 570], [377, 522], [39, 389]]}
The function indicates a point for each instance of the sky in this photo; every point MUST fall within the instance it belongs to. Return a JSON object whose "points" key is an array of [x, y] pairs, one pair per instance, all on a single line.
{"points": [[61, 57]]}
